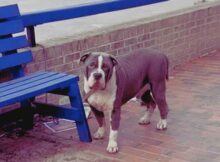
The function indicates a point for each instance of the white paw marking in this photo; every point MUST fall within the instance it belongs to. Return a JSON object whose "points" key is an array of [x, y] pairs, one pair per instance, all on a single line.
{"points": [[112, 147], [144, 119], [100, 133], [112, 144], [147, 117], [162, 124]]}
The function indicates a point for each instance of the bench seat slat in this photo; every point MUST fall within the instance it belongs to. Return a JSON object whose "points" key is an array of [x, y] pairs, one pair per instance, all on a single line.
{"points": [[13, 43], [12, 87], [15, 59], [37, 90], [4, 84], [9, 27], [9, 11], [29, 84]]}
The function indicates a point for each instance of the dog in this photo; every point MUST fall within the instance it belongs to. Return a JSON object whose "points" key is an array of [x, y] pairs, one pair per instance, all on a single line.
{"points": [[115, 81]]}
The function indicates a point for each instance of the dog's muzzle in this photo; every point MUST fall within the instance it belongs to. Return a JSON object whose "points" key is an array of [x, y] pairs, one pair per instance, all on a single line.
{"points": [[97, 76]]}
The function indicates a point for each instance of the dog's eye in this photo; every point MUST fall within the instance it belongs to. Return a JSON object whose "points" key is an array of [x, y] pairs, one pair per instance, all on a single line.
{"points": [[104, 67], [92, 65]]}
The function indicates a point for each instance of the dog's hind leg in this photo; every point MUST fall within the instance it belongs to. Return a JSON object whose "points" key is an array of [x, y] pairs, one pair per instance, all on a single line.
{"points": [[159, 90], [99, 134], [148, 101]]}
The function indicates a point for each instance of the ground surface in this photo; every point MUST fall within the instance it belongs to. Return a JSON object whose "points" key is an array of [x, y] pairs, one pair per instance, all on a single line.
{"points": [[193, 133]]}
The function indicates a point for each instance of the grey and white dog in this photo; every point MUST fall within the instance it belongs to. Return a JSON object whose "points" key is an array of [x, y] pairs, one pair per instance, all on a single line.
{"points": [[115, 81]]}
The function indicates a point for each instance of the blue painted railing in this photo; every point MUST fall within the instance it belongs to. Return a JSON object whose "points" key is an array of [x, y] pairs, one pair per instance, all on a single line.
{"points": [[32, 19]]}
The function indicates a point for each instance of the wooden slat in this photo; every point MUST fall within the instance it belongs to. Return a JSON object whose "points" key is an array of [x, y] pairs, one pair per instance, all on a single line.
{"points": [[87, 9], [8, 83], [10, 27], [29, 84], [37, 90], [9, 11], [24, 82], [13, 43], [15, 59], [59, 111]]}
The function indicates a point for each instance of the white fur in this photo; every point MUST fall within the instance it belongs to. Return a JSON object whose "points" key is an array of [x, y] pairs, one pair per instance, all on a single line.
{"points": [[91, 80], [162, 124], [99, 134], [100, 62], [147, 116], [112, 144], [103, 100]]}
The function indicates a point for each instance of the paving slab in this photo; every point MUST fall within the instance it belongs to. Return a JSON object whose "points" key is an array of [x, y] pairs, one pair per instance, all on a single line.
{"points": [[192, 135]]}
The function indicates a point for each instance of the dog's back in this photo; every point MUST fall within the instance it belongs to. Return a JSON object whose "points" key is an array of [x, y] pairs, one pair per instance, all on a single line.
{"points": [[139, 68]]}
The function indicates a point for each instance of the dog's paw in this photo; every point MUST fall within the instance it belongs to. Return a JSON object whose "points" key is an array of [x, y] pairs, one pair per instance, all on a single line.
{"points": [[162, 124], [147, 117], [99, 134], [112, 147], [144, 120]]}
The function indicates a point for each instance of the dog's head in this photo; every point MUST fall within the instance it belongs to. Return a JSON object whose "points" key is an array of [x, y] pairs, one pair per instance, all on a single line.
{"points": [[98, 68]]}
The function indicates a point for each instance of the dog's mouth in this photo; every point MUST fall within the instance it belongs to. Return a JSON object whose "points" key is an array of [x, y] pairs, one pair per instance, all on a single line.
{"points": [[97, 86]]}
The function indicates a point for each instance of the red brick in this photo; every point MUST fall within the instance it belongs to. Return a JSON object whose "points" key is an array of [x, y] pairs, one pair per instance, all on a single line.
{"points": [[153, 26], [67, 49], [64, 67], [156, 34], [33, 67], [167, 31], [179, 28], [181, 19], [149, 43], [141, 29], [130, 41], [75, 46], [39, 55], [82, 44], [104, 48], [147, 28], [130, 32], [184, 33], [124, 50], [178, 41], [190, 24], [54, 62], [166, 23], [117, 45], [116, 35], [71, 57], [143, 37], [140, 153], [137, 46]]}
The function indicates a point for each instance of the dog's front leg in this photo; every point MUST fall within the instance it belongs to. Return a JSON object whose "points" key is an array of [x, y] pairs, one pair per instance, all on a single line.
{"points": [[100, 133], [115, 116]]}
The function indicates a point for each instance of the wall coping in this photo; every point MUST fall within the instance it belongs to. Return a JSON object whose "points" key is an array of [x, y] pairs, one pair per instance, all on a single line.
{"points": [[122, 24]]}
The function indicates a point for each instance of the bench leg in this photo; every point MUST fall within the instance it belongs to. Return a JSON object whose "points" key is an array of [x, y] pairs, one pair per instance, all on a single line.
{"points": [[76, 102], [27, 115]]}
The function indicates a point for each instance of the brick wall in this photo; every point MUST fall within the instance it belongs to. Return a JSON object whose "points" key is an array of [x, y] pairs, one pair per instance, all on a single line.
{"points": [[182, 36]]}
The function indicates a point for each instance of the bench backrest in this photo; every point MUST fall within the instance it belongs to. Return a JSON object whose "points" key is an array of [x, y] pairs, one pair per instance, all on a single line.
{"points": [[12, 43]]}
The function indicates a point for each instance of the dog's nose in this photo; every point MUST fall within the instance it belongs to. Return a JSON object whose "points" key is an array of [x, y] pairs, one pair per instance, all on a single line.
{"points": [[97, 76]]}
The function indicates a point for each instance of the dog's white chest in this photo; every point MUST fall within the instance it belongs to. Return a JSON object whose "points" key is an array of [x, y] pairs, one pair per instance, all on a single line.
{"points": [[102, 100]]}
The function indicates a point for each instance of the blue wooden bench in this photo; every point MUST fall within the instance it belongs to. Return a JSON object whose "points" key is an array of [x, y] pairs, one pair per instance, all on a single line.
{"points": [[23, 89]]}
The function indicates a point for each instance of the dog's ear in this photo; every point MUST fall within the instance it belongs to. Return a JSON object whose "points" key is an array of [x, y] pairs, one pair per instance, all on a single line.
{"points": [[84, 57], [114, 60]]}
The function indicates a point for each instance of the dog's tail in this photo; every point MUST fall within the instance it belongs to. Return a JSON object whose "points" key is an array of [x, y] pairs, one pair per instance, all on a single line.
{"points": [[167, 63]]}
